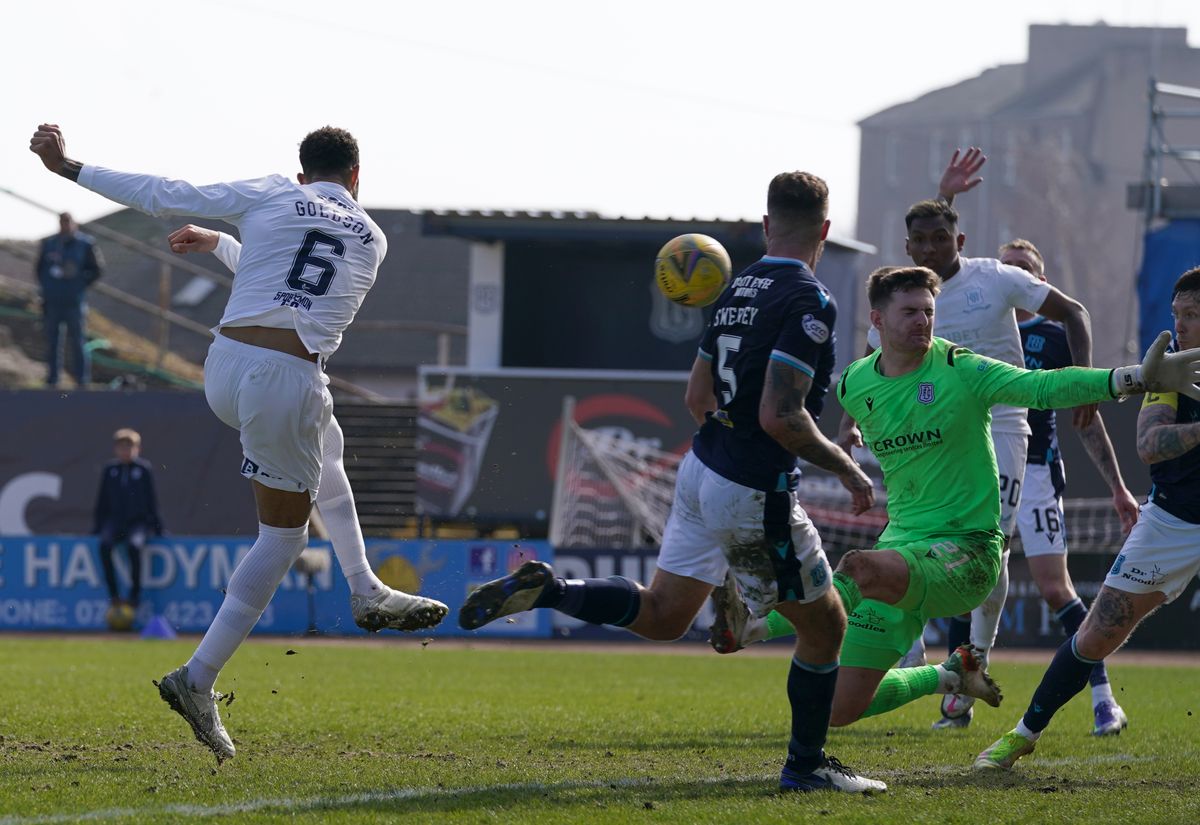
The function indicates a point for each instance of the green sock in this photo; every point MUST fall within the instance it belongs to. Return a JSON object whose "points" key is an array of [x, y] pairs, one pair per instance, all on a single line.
{"points": [[899, 687], [778, 626], [847, 588]]}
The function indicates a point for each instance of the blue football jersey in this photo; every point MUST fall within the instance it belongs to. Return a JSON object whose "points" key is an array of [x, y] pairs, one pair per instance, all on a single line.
{"points": [[1175, 483], [1046, 348], [775, 309]]}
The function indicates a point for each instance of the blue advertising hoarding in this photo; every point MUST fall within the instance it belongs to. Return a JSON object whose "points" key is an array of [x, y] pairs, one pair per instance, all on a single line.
{"points": [[57, 583]]}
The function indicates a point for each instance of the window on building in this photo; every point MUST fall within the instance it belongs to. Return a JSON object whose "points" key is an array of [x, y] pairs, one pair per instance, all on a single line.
{"points": [[1009, 166], [891, 160], [937, 156]]}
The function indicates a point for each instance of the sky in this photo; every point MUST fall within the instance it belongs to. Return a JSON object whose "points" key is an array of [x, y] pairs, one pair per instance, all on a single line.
{"points": [[650, 108]]}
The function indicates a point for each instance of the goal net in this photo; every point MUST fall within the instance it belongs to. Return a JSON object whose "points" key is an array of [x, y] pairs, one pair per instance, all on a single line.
{"points": [[613, 491]]}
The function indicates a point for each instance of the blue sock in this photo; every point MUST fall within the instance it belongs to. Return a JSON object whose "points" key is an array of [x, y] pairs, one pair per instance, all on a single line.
{"points": [[1066, 676], [615, 600], [958, 632], [810, 692], [1071, 617]]}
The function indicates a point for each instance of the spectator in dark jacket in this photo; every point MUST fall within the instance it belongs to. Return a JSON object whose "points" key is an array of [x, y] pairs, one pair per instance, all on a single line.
{"points": [[68, 264], [126, 511]]}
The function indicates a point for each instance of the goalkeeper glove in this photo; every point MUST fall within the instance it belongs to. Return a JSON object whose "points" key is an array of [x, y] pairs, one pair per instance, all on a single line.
{"points": [[1160, 371]]}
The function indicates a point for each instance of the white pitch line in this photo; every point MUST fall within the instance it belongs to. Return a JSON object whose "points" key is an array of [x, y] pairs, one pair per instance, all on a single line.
{"points": [[348, 801], [413, 794]]}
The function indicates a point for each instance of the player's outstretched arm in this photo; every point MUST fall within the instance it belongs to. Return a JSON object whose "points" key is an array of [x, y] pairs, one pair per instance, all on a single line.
{"points": [[151, 194], [1100, 451], [961, 174], [1161, 371], [782, 416]]}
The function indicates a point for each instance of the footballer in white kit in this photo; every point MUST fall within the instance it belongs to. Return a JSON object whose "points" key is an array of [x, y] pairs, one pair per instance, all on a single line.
{"points": [[309, 254]]}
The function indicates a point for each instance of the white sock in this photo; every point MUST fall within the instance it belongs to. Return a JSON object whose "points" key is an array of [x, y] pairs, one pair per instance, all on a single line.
{"points": [[985, 619], [335, 503], [1101, 693], [250, 589], [948, 680], [1026, 732], [756, 631]]}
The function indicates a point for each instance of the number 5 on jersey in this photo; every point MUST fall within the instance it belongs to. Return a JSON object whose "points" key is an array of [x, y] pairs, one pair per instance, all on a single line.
{"points": [[311, 273], [727, 346]]}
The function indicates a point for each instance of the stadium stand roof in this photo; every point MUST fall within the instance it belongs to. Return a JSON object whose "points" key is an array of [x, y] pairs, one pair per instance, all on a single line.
{"points": [[493, 225]]}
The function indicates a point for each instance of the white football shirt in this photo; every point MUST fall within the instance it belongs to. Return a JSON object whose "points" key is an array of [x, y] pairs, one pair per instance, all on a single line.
{"points": [[975, 310], [309, 252]]}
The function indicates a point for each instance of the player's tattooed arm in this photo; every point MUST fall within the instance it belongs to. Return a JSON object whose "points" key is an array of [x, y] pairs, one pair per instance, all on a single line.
{"points": [[1159, 438], [1099, 448], [782, 416]]}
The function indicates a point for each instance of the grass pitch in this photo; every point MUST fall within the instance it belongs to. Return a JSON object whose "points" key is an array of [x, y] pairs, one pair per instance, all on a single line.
{"points": [[389, 732]]}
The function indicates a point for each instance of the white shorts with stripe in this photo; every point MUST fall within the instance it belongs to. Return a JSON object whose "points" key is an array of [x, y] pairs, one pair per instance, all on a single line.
{"points": [[766, 539], [279, 404], [1160, 555], [1011, 451], [1040, 516]]}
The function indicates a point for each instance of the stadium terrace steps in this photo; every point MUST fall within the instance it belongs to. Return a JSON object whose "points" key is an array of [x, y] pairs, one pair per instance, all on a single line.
{"points": [[381, 462]]}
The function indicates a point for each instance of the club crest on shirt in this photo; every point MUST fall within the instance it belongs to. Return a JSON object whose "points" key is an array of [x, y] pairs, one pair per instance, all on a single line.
{"points": [[815, 328], [925, 392], [975, 300]]}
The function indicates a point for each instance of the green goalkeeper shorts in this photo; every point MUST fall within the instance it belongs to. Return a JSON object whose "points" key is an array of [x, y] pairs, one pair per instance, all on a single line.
{"points": [[947, 577]]}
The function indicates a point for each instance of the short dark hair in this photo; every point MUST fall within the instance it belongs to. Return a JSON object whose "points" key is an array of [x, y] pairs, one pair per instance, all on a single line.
{"points": [[328, 151], [930, 209], [1024, 246], [797, 204], [888, 280], [1188, 282]]}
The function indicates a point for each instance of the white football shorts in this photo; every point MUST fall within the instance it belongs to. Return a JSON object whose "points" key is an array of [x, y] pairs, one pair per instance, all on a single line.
{"points": [[766, 539], [1160, 555], [278, 403], [1040, 515], [1011, 451]]}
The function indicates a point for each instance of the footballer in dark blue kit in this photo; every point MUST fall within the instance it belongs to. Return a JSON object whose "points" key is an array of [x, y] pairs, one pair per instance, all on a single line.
{"points": [[775, 310], [756, 388], [1160, 556], [1040, 517]]}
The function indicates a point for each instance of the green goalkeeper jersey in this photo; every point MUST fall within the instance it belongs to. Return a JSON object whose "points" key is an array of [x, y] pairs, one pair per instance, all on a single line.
{"points": [[930, 431]]}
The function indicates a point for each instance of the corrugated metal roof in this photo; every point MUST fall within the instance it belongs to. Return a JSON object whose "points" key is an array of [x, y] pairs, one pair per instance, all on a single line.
{"points": [[495, 225]]}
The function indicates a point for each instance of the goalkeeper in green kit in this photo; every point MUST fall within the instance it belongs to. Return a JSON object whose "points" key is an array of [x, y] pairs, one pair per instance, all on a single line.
{"points": [[923, 405]]}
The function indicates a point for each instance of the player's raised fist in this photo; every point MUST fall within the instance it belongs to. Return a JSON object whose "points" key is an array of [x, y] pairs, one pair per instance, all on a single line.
{"points": [[192, 238], [48, 144]]}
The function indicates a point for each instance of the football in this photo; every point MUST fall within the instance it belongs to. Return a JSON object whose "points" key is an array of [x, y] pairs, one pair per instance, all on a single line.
{"points": [[692, 269], [120, 617]]}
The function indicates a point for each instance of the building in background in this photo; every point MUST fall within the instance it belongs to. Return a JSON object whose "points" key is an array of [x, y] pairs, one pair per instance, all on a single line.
{"points": [[1064, 132], [571, 290]]}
